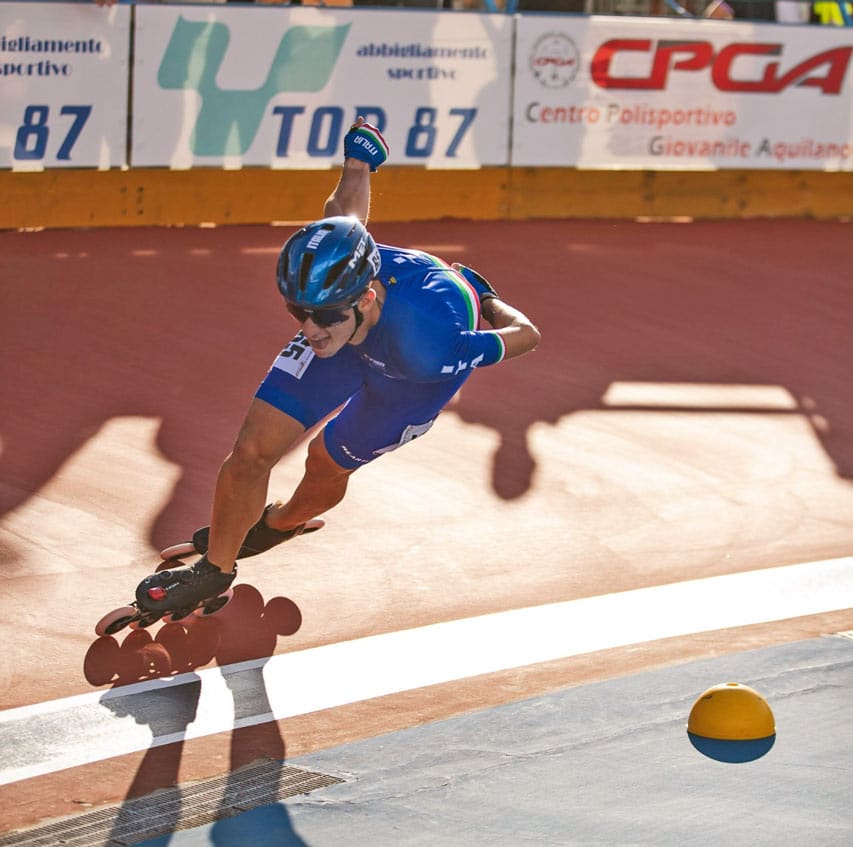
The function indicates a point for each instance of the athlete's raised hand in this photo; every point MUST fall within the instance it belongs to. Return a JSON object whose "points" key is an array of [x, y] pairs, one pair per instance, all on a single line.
{"points": [[365, 143]]}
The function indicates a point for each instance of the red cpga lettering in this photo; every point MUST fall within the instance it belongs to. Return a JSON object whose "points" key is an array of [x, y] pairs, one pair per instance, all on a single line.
{"points": [[556, 61], [836, 59], [698, 55]]}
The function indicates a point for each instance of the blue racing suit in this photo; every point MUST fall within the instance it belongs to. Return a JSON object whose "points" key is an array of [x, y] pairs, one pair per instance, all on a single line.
{"points": [[425, 345]]}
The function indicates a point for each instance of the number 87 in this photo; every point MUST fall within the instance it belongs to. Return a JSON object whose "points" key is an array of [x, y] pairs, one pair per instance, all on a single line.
{"points": [[420, 140], [31, 140]]}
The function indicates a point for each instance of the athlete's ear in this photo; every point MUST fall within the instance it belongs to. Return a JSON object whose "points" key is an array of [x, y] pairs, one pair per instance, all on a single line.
{"points": [[370, 296]]}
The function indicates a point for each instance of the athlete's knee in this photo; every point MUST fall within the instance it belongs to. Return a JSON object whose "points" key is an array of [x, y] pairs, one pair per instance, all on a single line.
{"points": [[265, 436], [319, 464], [250, 458]]}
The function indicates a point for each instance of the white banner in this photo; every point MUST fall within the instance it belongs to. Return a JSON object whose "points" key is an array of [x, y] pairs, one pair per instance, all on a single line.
{"points": [[658, 94], [279, 87], [63, 85]]}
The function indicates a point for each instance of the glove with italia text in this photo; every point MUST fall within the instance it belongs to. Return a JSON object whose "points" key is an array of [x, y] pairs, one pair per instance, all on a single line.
{"points": [[365, 143]]}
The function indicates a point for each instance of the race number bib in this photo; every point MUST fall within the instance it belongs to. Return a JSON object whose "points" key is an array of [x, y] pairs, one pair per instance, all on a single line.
{"points": [[295, 358]]}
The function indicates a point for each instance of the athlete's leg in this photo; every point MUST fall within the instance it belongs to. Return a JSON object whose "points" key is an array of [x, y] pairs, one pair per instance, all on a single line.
{"points": [[241, 487], [381, 416], [298, 391], [323, 486]]}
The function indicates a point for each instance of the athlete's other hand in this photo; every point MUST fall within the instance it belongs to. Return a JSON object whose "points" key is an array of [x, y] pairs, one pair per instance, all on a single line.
{"points": [[365, 143]]}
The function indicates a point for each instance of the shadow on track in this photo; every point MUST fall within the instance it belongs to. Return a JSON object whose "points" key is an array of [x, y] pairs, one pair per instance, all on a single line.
{"points": [[180, 325], [245, 631]]}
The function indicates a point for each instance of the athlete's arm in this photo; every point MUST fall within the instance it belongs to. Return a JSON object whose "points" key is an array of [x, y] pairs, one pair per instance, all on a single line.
{"points": [[432, 346], [352, 193], [364, 151], [516, 330]]}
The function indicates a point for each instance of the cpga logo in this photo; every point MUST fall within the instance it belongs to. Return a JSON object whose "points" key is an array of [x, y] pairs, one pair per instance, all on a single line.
{"points": [[554, 60], [826, 70], [229, 119]]}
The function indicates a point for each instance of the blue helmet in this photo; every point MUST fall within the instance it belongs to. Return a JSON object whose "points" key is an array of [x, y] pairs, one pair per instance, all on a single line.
{"points": [[327, 264]]}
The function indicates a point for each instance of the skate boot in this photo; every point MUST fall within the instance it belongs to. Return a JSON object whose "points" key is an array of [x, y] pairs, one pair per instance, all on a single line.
{"points": [[178, 592], [259, 539], [200, 589]]}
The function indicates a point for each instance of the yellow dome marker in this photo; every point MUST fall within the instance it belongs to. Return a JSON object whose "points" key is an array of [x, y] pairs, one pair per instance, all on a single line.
{"points": [[731, 723]]}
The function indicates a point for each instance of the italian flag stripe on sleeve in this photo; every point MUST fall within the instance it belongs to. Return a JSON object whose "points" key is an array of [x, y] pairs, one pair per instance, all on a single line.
{"points": [[501, 344], [472, 301]]}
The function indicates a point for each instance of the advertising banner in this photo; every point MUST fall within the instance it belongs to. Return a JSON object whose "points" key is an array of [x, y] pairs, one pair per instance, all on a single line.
{"points": [[63, 85], [279, 87], [668, 94]]}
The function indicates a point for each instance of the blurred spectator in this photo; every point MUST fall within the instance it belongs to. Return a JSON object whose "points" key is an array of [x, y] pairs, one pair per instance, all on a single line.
{"points": [[430, 4], [113, 2], [718, 10], [753, 10], [550, 6], [829, 12]]}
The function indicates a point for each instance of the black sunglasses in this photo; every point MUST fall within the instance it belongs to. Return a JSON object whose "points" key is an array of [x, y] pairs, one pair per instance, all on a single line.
{"points": [[321, 317]]}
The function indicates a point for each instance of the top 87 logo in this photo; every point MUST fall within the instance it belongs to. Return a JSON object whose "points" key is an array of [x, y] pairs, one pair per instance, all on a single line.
{"points": [[327, 125], [305, 62]]}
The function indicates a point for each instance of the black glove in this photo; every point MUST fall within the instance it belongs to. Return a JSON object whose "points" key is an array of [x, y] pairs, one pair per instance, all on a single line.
{"points": [[485, 290]]}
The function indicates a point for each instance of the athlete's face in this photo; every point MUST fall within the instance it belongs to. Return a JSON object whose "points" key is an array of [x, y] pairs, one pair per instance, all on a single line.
{"points": [[328, 330], [325, 338]]}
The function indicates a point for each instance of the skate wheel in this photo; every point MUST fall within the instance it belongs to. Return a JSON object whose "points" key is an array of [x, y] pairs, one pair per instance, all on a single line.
{"points": [[178, 551], [211, 607], [180, 616], [116, 620], [145, 620]]}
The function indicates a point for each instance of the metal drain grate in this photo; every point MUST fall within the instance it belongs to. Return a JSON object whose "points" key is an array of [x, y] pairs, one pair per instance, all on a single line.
{"points": [[175, 808]]}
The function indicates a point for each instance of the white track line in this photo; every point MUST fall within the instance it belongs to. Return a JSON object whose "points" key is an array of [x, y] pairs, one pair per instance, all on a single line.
{"points": [[100, 725]]}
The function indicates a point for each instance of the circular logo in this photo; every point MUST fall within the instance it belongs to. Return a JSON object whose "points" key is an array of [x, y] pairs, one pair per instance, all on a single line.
{"points": [[554, 60]]}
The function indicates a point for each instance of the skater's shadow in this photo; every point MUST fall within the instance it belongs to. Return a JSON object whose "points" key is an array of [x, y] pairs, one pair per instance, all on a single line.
{"points": [[623, 306], [167, 713], [267, 821], [247, 630]]}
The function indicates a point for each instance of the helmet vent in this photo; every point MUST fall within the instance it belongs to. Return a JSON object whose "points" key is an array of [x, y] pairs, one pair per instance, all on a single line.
{"points": [[335, 272], [305, 270]]}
